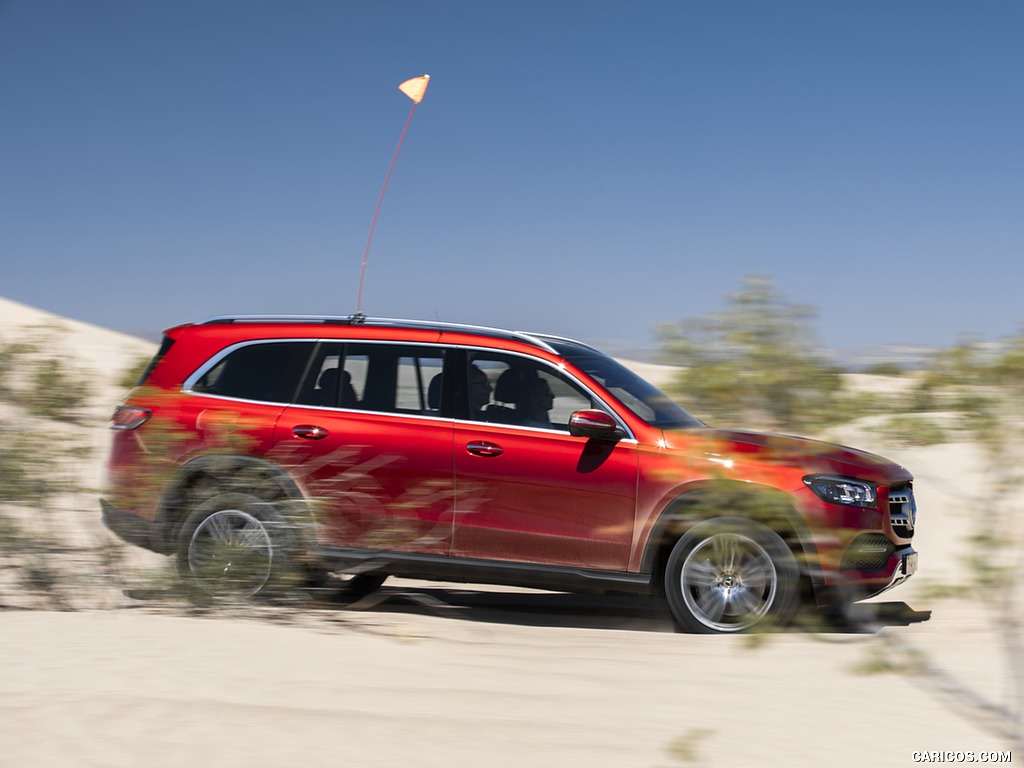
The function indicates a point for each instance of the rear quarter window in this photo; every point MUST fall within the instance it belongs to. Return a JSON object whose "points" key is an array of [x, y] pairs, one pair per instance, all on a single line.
{"points": [[265, 372]]}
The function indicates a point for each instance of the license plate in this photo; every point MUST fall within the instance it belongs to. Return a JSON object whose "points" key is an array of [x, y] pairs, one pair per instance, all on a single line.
{"points": [[910, 563]]}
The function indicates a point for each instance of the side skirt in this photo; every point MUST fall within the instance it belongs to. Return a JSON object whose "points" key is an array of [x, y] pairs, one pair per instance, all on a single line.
{"points": [[470, 571]]}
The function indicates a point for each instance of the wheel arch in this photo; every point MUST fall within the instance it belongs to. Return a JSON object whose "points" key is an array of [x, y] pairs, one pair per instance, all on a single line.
{"points": [[722, 498], [205, 476]]}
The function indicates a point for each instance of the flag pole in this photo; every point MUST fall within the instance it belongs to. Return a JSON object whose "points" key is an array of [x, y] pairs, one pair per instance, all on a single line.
{"points": [[415, 89]]}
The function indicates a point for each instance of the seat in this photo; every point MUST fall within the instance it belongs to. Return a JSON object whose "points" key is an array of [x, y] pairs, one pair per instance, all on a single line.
{"points": [[434, 392], [509, 390], [326, 392], [327, 388], [348, 392]]}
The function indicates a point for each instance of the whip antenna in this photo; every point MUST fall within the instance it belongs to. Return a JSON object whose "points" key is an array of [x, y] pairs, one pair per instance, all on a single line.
{"points": [[415, 89]]}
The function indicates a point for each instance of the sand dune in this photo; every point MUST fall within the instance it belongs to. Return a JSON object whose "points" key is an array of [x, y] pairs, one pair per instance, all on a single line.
{"points": [[96, 349]]}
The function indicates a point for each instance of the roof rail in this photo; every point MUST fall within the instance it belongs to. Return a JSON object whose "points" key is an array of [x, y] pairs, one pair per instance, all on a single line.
{"points": [[536, 340], [222, 319], [565, 339]]}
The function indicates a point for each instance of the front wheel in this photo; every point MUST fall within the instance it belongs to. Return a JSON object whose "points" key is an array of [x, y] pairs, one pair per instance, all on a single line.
{"points": [[729, 575]]}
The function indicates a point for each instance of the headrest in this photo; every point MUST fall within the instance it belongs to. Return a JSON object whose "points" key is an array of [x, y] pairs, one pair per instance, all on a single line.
{"points": [[512, 386], [434, 392]]}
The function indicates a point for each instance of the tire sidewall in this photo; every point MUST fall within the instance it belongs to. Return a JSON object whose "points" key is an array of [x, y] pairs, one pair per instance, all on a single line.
{"points": [[280, 531], [786, 598]]}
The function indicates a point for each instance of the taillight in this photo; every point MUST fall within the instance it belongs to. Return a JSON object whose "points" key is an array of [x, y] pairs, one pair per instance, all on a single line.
{"points": [[129, 417]]}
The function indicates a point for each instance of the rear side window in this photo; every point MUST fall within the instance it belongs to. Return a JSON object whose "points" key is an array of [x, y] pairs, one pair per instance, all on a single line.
{"points": [[395, 379], [388, 378], [324, 383], [266, 372]]}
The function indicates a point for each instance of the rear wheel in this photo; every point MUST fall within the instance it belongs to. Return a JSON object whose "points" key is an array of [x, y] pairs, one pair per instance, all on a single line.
{"points": [[235, 545], [730, 575]]}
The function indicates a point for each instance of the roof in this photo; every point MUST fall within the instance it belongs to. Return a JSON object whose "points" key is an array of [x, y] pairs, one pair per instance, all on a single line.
{"points": [[541, 340]]}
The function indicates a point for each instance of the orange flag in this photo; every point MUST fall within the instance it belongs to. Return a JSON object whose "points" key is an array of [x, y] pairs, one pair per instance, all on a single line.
{"points": [[415, 88]]}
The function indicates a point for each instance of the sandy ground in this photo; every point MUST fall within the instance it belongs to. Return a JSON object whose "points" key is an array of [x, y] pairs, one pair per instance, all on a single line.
{"points": [[491, 678], [453, 675]]}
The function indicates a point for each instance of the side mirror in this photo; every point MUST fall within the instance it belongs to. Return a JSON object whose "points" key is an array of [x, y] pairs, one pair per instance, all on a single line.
{"points": [[594, 423]]}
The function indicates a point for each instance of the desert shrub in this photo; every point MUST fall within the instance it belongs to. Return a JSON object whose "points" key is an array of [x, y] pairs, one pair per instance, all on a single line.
{"points": [[756, 364], [913, 430], [10, 533], [922, 398], [35, 376], [28, 467], [886, 369], [12, 355], [54, 391], [130, 376]]}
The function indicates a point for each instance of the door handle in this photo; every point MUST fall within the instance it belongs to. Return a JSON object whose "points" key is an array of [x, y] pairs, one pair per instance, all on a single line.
{"points": [[483, 448], [309, 432]]}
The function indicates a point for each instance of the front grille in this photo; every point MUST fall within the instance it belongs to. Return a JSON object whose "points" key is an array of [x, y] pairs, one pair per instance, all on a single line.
{"points": [[868, 552], [902, 511]]}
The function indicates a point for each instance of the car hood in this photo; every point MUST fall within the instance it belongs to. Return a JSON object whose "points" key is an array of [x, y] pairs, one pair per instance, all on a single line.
{"points": [[730, 447]]}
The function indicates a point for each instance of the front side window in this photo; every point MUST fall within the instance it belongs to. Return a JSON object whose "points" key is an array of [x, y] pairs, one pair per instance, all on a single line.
{"points": [[263, 371], [644, 399], [508, 389]]}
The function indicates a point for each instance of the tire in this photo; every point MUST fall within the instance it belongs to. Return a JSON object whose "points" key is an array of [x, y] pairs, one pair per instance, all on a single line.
{"points": [[730, 575], [234, 545]]}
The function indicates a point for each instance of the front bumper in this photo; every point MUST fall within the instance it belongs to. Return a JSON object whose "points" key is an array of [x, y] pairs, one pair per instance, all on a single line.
{"points": [[906, 566], [851, 585]]}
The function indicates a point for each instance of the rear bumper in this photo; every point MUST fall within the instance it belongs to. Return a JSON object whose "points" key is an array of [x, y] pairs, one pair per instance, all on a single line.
{"points": [[131, 528]]}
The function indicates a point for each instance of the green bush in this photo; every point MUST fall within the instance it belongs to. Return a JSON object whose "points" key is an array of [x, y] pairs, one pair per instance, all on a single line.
{"points": [[755, 364], [913, 430], [35, 376], [886, 369], [32, 466], [131, 375]]}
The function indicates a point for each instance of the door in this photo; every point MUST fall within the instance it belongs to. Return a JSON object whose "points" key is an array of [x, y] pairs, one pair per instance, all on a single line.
{"points": [[368, 442], [527, 490]]}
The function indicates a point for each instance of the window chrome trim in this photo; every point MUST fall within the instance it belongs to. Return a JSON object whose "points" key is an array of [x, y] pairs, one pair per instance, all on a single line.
{"points": [[544, 430], [189, 383], [201, 371], [325, 408], [238, 399]]}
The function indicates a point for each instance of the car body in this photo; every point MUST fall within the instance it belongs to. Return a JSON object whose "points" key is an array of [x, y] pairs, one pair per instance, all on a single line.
{"points": [[375, 447]]}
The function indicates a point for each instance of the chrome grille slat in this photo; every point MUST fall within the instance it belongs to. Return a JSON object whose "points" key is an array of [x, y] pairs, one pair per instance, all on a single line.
{"points": [[903, 512]]}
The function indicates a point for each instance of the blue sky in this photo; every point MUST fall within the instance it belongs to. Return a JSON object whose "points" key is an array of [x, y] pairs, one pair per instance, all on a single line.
{"points": [[583, 168]]}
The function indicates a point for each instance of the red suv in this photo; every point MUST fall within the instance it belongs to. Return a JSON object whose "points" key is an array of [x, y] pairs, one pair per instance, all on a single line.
{"points": [[260, 450]]}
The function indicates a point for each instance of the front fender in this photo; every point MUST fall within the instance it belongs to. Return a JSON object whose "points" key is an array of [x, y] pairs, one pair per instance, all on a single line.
{"points": [[724, 498]]}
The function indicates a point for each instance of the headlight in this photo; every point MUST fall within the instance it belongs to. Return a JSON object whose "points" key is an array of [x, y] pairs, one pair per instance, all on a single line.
{"points": [[842, 490]]}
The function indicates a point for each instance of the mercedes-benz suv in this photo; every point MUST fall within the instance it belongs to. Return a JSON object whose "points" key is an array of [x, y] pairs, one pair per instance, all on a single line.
{"points": [[263, 452]]}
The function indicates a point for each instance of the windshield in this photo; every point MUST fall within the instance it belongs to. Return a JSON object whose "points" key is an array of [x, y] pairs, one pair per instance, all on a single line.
{"points": [[642, 398]]}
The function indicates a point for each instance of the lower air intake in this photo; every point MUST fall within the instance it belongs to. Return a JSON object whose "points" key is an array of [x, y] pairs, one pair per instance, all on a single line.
{"points": [[868, 552]]}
